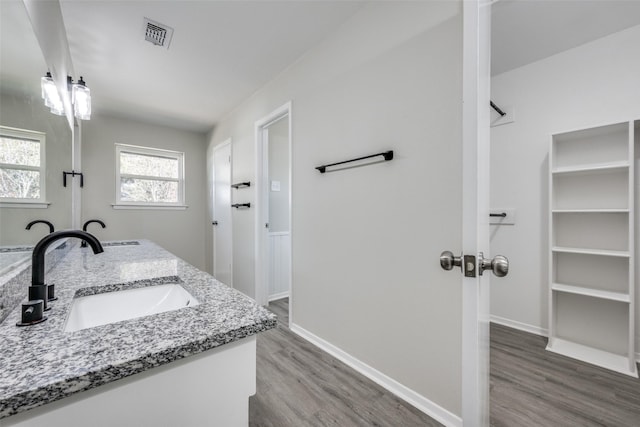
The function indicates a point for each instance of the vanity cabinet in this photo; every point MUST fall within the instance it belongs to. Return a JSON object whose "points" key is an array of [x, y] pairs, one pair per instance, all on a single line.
{"points": [[193, 365], [211, 388], [591, 254]]}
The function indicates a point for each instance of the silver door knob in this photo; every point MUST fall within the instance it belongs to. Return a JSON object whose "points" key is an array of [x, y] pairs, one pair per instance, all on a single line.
{"points": [[448, 261], [499, 265]]}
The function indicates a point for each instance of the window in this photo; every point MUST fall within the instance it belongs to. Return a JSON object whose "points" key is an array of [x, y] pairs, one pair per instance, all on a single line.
{"points": [[149, 177], [22, 166]]}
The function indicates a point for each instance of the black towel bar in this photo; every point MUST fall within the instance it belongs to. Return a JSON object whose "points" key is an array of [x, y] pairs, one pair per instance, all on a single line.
{"points": [[498, 109], [388, 155], [242, 184]]}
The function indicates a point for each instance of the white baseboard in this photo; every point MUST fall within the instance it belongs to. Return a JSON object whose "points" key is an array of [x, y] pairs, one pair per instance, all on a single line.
{"points": [[417, 400], [532, 329], [520, 326], [279, 295]]}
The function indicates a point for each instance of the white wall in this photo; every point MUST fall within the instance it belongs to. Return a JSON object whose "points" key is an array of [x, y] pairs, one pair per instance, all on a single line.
{"points": [[366, 241], [21, 112], [593, 84], [181, 232]]}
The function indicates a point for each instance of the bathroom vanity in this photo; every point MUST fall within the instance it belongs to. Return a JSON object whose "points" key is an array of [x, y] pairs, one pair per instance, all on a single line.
{"points": [[190, 366]]}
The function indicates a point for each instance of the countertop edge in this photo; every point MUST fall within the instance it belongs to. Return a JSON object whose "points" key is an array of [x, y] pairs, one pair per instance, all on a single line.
{"points": [[93, 379]]}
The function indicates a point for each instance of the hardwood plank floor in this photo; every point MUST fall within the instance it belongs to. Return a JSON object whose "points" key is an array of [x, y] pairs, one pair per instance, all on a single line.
{"points": [[299, 385], [534, 387]]}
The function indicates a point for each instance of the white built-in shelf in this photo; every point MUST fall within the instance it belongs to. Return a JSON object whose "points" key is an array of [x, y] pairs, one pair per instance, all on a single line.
{"points": [[614, 210], [596, 293], [596, 167], [592, 245], [605, 359], [586, 251]]}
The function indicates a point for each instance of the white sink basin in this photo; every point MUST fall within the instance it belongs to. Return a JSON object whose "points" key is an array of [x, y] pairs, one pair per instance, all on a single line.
{"points": [[111, 307]]}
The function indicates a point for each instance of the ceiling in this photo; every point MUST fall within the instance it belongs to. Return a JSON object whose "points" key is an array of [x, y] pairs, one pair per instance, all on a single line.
{"points": [[21, 60], [224, 51], [221, 52], [525, 31]]}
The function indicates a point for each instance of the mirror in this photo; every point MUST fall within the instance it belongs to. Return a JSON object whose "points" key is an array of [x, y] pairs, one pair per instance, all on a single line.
{"points": [[22, 107]]}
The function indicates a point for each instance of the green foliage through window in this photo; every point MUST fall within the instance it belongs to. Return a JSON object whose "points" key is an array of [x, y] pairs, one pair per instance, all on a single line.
{"points": [[149, 176], [21, 165]]}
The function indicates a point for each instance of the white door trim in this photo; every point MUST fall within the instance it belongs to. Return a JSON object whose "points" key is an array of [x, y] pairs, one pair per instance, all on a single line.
{"points": [[213, 208], [262, 200], [475, 209]]}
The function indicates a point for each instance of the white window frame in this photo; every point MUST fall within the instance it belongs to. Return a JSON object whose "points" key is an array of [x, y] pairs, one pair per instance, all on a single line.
{"points": [[154, 152], [41, 138]]}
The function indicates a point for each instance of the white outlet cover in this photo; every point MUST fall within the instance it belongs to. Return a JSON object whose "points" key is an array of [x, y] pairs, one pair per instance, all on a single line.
{"points": [[275, 185]]}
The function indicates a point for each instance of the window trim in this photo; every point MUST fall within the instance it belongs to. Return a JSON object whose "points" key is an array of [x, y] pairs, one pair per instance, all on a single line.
{"points": [[41, 138], [153, 152]]}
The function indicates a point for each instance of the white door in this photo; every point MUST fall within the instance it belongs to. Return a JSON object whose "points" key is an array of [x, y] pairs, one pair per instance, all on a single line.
{"points": [[222, 247], [475, 218], [278, 199]]}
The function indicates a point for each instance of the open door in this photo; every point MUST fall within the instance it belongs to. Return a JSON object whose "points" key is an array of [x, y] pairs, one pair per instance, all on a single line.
{"points": [[475, 218], [475, 215], [273, 206], [222, 227]]}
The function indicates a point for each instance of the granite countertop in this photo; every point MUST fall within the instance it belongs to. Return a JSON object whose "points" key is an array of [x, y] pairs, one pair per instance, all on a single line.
{"points": [[42, 363]]}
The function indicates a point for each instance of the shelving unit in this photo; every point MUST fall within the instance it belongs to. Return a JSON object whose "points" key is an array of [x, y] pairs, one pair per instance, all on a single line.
{"points": [[591, 254]]}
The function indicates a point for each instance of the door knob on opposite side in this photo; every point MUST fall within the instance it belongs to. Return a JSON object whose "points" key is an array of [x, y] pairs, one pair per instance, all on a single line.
{"points": [[499, 265], [448, 260]]}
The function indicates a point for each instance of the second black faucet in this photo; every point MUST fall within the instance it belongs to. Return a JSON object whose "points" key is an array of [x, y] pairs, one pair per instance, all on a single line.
{"points": [[84, 228], [41, 221]]}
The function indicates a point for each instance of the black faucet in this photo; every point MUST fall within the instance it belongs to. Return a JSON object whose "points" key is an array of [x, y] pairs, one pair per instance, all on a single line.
{"points": [[38, 289], [84, 228], [51, 229]]}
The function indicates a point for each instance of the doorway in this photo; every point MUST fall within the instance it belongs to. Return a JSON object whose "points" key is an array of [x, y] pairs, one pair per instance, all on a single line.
{"points": [[538, 98], [273, 206], [222, 226]]}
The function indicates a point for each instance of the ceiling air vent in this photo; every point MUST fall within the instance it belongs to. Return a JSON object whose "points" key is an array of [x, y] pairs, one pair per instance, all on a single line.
{"points": [[157, 33]]}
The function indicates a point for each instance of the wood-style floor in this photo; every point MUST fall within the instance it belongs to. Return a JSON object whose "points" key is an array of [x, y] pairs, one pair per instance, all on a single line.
{"points": [[534, 387], [299, 385]]}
